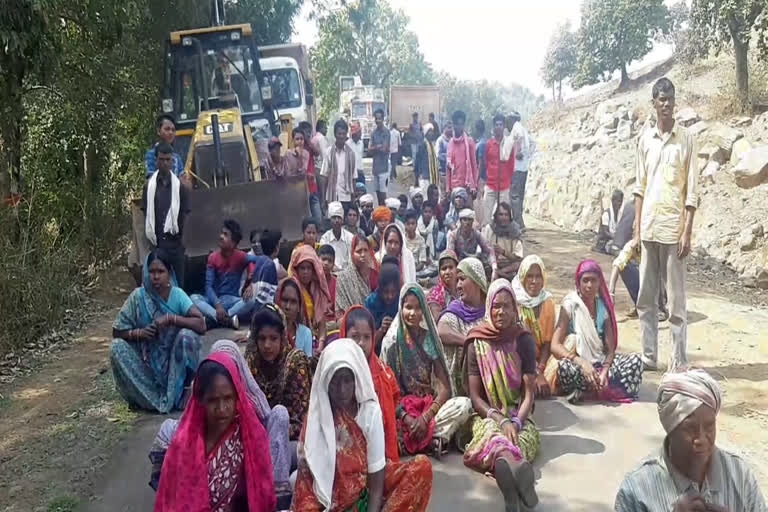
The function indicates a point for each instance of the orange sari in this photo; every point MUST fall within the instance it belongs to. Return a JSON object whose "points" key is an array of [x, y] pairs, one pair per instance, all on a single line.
{"points": [[407, 485]]}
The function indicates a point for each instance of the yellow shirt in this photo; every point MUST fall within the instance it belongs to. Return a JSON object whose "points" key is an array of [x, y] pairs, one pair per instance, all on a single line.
{"points": [[666, 177]]}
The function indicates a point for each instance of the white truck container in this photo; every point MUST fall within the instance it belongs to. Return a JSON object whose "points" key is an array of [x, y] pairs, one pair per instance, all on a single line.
{"points": [[404, 100], [286, 69]]}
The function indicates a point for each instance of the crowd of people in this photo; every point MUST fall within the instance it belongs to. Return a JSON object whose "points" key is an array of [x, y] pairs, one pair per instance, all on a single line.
{"points": [[410, 329]]}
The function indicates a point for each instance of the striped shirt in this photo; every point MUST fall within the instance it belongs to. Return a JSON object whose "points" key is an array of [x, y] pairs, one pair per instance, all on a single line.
{"points": [[656, 485]]}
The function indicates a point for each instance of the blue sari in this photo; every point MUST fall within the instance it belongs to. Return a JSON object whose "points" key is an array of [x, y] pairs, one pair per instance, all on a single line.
{"points": [[152, 374]]}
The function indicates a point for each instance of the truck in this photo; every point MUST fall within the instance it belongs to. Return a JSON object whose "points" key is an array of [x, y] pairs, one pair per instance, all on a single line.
{"points": [[286, 70], [404, 100], [358, 102], [216, 90]]}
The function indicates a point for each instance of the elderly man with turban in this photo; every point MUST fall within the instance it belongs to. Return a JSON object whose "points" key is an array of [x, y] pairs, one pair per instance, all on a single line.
{"points": [[690, 474], [367, 224], [382, 217]]}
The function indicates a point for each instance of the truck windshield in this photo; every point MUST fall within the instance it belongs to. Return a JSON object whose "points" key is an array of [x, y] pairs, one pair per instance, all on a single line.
{"points": [[227, 70], [286, 89], [359, 109]]}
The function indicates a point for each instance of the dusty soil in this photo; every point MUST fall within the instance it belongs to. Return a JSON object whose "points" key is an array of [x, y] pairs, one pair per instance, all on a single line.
{"points": [[64, 423]]}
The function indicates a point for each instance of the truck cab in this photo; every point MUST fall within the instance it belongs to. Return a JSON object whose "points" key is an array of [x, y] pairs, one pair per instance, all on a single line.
{"points": [[286, 70]]}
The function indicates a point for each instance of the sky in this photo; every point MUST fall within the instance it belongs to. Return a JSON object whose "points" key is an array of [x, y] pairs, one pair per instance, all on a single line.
{"points": [[489, 30]]}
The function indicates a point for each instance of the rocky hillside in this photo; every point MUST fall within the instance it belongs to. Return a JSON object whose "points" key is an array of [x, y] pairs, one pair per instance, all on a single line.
{"points": [[587, 148]]}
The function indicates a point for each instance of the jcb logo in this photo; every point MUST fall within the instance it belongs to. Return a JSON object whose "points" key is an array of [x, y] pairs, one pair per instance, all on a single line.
{"points": [[223, 128]]}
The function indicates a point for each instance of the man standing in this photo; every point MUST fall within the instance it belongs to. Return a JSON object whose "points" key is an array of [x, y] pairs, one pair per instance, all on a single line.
{"points": [[338, 237], [523, 145], [319, 145], [337, 175], [480, 141], [355, 142], [395, 140], [165, 202], [442, 151], [499, 174], [415, 135], [433, 122], [165, 127], [275, 166], [426, 165], [380, 148], [666, 198], [461, 161]]}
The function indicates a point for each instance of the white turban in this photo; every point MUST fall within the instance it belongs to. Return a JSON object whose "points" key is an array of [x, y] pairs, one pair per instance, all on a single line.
{"points": [[467, 213], [415, 191], [366, 199], [335, 209], [680, 394], [427, 127], [392, 202]]}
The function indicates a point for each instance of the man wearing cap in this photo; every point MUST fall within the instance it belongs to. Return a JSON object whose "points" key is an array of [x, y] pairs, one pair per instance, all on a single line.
{"points": [[366, 214], [338, 237], [379, 147], [276, 164], [355, 142], [393, 204], [466, 241], [690, 473], [337, 174]]}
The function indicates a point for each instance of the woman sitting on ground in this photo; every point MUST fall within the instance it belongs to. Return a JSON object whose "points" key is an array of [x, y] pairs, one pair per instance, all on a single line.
{"points": [[156, 340], [445, 292], [342, 462], [358, 280], [585, 341], [504, 236], [412, 348], [537, 312], [297, 330], [500, 368], [282, 372], [275, 420], [394, 246], [382, 217], [308, 269], [219, 458], [459, 201], [358, 325], [461, 315], [382, 302]]}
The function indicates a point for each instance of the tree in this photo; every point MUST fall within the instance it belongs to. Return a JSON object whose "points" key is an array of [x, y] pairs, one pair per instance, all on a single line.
{"points": [[614, 33], [719, 22], [560, 59], [369, 39]]}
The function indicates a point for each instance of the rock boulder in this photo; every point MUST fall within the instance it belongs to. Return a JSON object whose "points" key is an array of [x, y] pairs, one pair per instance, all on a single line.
{"points": [[752, 169], [713, 152], [741, 147], [724, 137], [687, 117], [698, 128]]}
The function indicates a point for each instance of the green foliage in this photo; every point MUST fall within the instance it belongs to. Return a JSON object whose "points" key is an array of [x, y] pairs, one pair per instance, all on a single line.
{"points": [[613, 33], [483, 99], [64, 504], [366, 38], [560, 60]]}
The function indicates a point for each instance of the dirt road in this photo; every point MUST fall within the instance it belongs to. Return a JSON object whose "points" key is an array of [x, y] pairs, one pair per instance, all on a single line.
{"points": [[68, 443]]}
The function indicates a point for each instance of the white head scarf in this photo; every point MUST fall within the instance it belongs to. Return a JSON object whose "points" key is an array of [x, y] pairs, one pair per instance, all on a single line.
{"points": [[415, 191], [467, 213], [427, 127], [320, 438], [366, 199], [392, 202], [407, 262], [521, 294], [680, 394], [335, 209]]}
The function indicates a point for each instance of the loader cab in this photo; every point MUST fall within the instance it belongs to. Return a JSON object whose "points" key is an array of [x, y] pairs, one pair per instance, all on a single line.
{"points": [[214, 68]]}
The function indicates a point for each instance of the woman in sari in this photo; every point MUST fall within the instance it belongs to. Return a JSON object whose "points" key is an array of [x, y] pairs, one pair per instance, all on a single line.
{"points": [[427, 417], [342, 462], [308, 269], [282, 372], [500, 368], [394, 246], [459, 201], [585, 342], [504, 236], [219, 458], [382, 217], [357, 325], [156, 340], [297, 332], [461, 315], [537, 312], [443, 294], [358, 280], [274, 420]]}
